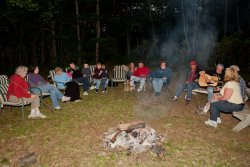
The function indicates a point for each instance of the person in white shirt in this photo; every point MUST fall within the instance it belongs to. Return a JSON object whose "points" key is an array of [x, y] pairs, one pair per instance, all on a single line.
{"points": [[228, 100]]}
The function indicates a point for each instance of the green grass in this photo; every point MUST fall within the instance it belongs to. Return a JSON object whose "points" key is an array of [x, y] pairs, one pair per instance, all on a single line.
{"points": [[72, 136]]}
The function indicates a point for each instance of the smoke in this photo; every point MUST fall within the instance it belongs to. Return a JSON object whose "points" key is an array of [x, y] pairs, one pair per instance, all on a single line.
{"points": [[193, 36]]}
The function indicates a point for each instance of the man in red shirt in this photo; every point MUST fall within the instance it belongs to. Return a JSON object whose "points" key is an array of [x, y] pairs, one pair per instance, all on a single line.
{"points": [[139, 75]]}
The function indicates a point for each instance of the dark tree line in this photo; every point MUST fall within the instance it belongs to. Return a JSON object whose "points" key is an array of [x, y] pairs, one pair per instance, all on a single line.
{"points": [[56, 32]]}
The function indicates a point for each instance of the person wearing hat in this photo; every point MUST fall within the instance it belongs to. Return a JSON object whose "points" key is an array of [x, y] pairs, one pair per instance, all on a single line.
{"points": [[191, 82]]}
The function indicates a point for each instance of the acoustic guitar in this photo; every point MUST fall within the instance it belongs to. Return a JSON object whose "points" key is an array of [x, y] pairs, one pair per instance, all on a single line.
{"points": [[213, 81]]}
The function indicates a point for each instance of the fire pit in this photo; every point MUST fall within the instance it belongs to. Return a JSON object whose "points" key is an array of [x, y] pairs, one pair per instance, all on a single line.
{"points": [[134, 137]]}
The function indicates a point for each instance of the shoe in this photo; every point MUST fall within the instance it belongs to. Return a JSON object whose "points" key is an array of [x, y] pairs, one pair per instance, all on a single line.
{"points": [[185, 97], [32, 113], [132, 88], [211, 123], [218, 120], [85, 93], [206, 108], [157, 93], [175, 98], [96, 91], [200, 112], [65, 98], [103, 91], [39, 114], [58, 108], [188, 102], [139, 90], [92, 88]]}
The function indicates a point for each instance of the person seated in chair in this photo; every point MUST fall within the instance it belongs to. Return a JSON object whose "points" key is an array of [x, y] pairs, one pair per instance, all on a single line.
{"points": [[160, 76], [190, 84], [140, 74], [86, 72], [61, 78], [36, 80], [213, 83], [228, 100], [18, 90], [78, 77]]}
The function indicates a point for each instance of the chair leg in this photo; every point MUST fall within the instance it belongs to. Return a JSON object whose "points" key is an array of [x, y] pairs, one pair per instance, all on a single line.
{"points": [[241, 125], [22, 110]]}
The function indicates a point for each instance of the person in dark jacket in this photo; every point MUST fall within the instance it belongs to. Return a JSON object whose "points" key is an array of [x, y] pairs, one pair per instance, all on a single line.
{"points": [[78, 77], [160, 76], [104, 80], [86, 74]]}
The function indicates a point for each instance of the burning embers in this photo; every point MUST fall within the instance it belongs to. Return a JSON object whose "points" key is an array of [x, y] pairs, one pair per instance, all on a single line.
{"points": [[135, 137]]}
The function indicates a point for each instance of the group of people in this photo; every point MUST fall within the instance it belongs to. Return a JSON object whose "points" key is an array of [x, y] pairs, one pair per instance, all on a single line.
{"points": [[227, 95], [226, 89], [27, 84]]}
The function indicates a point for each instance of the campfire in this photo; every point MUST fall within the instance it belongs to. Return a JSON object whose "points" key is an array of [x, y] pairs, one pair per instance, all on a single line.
{"points": [[134, 137]]}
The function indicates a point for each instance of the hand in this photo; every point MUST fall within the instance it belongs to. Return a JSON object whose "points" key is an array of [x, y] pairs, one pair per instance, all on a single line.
{"points": [[32, 96]]}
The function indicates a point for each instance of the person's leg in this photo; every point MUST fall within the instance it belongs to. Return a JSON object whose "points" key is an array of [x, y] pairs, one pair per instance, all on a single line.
{"points": [[210, 92], [223, 106], [133, 79], [179, 89], [85, 83], [103, 83], [98, 82], [142, 83], [157, 84], [190, 87], [54, 98]]}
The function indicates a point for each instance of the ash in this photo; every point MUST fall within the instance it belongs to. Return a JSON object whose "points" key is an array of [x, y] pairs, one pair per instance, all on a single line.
{"points": [[136, 141]]}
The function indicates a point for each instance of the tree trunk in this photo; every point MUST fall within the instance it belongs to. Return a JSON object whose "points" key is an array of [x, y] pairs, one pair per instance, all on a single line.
{"points": [[128, 39], [238, 19], [78, 32], [225, 18], [42, 51], [53, 47], [184, 26], [98, 31]]}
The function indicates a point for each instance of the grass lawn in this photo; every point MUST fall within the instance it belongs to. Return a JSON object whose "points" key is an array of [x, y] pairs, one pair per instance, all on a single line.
{"points": [[73, 136]]}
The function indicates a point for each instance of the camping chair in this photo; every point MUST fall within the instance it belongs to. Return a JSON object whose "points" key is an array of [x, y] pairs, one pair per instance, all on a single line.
{"points": [[4, 84], [119, 75]]}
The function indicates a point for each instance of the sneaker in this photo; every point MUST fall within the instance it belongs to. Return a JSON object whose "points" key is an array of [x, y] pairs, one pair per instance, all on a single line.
{"points": [[157, 93], [218, 120], [65, 98], [175, 98], [139, 90], [58, 107], [211, 123], [32, 114], [40, 115], [85, 93], [92, 88], [96, 91], [132, 88]]}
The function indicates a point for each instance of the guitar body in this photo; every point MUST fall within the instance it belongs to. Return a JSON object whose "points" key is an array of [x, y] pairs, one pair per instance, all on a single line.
{"points": [[213, 81]]}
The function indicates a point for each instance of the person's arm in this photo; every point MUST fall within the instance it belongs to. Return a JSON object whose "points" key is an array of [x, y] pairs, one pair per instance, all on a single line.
{"points": [[228, 92]]}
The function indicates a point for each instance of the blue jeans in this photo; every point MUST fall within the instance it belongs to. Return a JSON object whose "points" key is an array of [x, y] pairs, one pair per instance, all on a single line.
{"points": [[85, 83], [223, 106], [189, 88], [158, 83], [104, 82], [210, 93], [54, 92], [141, 79]]}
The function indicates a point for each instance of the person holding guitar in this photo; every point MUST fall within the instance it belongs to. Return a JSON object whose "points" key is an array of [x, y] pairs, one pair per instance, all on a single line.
{"points": [[213, 80]]}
